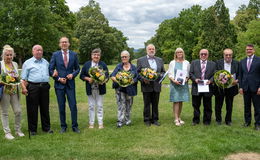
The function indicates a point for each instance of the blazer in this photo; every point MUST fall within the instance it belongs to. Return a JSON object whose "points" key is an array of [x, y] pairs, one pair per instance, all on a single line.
{"points": [[195, 73], [249, 80], [84, 73], [232, 91], [58, 64], [153, 85], [131, 90]]}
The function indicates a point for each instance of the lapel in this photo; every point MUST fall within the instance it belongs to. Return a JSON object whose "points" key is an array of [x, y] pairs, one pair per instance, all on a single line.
{"points": [[146, 61], [60, 57], [157, 63], [71, 59], [233, 69], [207, 68], [222, 64], [252, 63], [199, 66]]}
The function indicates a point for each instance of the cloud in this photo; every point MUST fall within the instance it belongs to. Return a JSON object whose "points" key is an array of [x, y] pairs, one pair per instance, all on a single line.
{"points": [[138, 19]]}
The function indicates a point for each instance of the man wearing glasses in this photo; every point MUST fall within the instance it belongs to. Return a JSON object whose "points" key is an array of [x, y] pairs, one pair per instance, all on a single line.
{"points": [[232, 66], [249, 85], [202, 70]]}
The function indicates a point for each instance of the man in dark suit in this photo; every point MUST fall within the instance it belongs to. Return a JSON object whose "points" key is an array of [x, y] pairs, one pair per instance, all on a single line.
{"points": [[151, 89], [232, 66], [64, 67], [202, 69], [249, 85]]}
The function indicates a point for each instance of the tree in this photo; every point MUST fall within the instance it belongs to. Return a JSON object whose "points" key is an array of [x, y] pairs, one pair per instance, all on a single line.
{"points": [[25, 23], [251, 36], [93, 31], [217, 31]]}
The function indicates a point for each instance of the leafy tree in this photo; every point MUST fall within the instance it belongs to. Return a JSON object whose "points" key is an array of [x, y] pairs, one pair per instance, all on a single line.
{"points": [[251, 36], [217, 31], [93, 31]]}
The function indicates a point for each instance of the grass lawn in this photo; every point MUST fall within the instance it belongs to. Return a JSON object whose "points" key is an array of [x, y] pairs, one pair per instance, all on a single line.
{"points": [[132, 142]]}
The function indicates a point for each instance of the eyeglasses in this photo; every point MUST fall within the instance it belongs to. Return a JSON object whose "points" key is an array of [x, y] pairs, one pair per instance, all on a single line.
{"points": [[228, 55], [124, 57], [203, 54]]}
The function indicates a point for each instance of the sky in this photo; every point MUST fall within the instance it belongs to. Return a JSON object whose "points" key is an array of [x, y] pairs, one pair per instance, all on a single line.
{"points": [[139, 19]]}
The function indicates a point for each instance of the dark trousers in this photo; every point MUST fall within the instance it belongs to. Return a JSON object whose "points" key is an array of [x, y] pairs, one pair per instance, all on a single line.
{"points": [[151, 98], [71, 97], [219, 100], [248, 98], [196, 102], [38, 96]]}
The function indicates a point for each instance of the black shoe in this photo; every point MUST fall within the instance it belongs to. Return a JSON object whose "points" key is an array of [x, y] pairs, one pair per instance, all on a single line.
{"points": [[246, 124], [218, 123], [32, 133], [257, 128], [49, 131], [63, 130], [156, 123], [228, 123], [76, 130], [194, 123], [206, 123], [147, 123]]}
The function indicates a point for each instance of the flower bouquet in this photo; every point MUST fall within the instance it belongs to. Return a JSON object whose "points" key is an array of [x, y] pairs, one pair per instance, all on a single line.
{"points": [[223, 78], [148, 74], [124, 78], [11, 78], [98, 75]]}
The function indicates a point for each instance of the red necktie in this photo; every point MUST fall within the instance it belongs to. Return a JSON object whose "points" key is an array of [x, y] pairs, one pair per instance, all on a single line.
{"points": [[65, 58]]}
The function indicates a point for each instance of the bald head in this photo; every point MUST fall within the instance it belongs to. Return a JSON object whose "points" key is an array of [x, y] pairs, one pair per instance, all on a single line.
{"points": [[37, 51]]}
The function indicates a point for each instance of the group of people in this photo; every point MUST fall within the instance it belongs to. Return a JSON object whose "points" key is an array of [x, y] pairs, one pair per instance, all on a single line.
{"points": [[64, 67]]}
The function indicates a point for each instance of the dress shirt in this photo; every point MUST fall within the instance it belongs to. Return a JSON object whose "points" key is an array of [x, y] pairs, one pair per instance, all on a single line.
{"points": [[35, 70], [227, 66], [205, 63], [152, 62]]}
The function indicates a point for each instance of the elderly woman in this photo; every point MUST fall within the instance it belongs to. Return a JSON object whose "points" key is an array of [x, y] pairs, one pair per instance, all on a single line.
{"points": [[178, 92], [124, 95], [10, 93]]}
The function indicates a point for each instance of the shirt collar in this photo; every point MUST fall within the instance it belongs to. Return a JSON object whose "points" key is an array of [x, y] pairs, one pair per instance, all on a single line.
{"points": [[37, 60], [68, 51], [250, 57], [151, 58], [203, 61]]}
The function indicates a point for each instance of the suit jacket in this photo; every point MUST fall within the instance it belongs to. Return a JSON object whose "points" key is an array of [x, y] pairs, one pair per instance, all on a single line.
{"points": [[153, 85], [58, 64], [232, 91], [195, 73], [249, 80], [84, 73]]}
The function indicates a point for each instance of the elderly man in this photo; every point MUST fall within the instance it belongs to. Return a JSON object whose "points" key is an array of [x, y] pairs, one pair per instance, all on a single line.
{"points": [[249, 85], [232, 66], [202, 69], [151, 89], [35, 85], [94, 91], [64, 67]]}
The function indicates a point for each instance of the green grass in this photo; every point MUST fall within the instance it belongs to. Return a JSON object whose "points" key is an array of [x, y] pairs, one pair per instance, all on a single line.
{"points": [[134, 142]]}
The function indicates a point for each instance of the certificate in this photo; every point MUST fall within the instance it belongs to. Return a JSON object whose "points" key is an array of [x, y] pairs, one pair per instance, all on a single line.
{"points": [[203, 87], [181, 76]]}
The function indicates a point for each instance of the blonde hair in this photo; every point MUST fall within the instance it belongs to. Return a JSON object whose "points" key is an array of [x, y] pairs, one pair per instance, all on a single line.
{"points": [[7, 48], [179, 50]]}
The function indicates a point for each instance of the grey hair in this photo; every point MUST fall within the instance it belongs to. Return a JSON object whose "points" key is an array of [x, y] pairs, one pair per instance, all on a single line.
{"points": [[96, 50], [150, 45], [7, 48], [125, 52]]}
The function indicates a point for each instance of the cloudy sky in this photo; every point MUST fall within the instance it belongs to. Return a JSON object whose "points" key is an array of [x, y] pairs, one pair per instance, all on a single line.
{"points": [[138, 19]]}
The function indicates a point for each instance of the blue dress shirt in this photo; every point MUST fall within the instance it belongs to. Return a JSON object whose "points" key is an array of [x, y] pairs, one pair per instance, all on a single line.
{"points": [[36, 71]]}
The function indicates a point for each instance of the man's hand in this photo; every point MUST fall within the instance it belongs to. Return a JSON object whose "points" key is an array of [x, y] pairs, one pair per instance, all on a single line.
{"points": [[90, 80], [55, 73], [258, 91], [208, 82], [25, 91], [241, 91], [63, 80], [146, 81], [69, 76], [197, 80], [234, 82]]}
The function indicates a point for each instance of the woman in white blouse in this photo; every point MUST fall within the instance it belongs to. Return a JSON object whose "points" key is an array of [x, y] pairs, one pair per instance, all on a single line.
{"points": [[179, 91]]}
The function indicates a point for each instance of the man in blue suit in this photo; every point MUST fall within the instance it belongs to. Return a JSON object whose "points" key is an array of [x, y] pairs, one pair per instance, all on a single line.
{"points": [[64, 67], [249, 84]]}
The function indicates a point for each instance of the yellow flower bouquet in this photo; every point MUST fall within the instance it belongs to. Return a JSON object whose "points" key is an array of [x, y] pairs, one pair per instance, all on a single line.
{"points": [[148, 74], [98, 75], [124, 78]]}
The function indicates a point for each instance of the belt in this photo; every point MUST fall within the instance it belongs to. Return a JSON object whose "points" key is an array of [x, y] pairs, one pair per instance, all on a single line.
{"points": [[38, 83]]}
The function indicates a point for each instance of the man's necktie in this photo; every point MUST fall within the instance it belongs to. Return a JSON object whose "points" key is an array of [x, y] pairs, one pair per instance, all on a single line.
{"points": [[65, 59], [249, 62], [203, 69]]}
